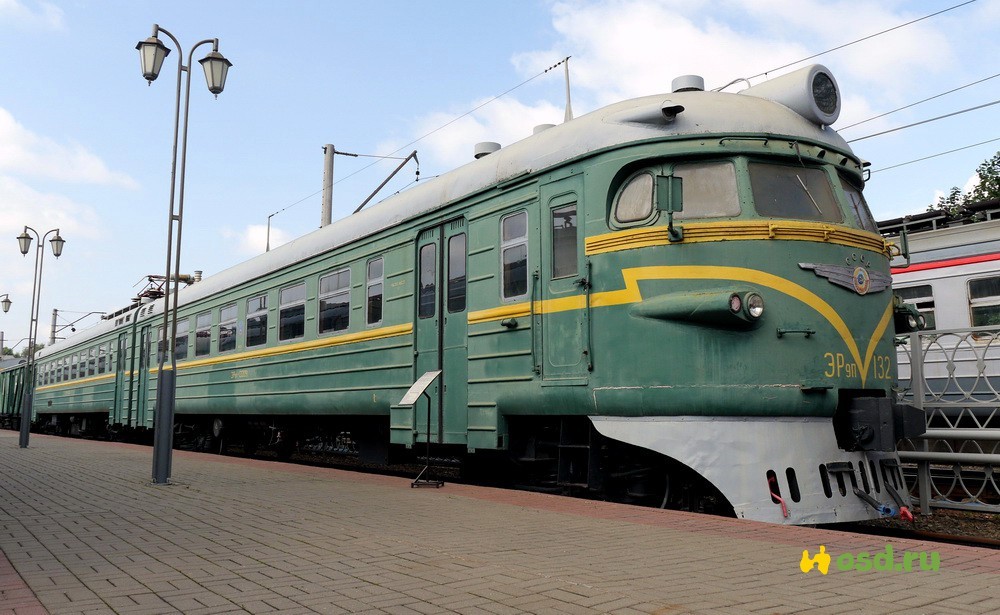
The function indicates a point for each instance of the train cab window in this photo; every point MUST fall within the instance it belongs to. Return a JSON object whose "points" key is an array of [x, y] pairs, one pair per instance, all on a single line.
{"points": [[456, 273], [427, 295], [564, 257], [292, 312], [799, 193], [634, 202], [860, 213], [256, 321], [922, 298], [335, 301], [514, 255], [374, 294], [709, 190], [227, 328], [984, 301], [202, 334], [181, 341]]}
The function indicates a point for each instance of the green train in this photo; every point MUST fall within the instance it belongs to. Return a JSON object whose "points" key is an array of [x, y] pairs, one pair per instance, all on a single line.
{"points": [[680, 300]]}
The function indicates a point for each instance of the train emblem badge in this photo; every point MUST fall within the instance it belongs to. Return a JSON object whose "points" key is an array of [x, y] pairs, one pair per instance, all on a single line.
{"points": [[858, 279]]}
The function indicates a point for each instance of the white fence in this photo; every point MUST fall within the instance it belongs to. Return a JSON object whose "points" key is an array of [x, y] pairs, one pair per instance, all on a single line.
{"points": [[954, 377]]}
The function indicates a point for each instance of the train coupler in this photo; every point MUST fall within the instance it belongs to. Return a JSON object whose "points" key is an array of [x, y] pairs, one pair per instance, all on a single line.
{"points": [[876, 424]]}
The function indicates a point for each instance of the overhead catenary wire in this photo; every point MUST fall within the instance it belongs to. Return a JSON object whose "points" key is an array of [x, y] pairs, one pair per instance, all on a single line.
{"points": [[951, 151], [864, 38], [418, 139], [914, 104], [927, 121]]}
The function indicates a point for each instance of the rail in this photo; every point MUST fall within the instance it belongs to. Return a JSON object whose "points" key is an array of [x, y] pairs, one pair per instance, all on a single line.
{"points": [[954, 377]]}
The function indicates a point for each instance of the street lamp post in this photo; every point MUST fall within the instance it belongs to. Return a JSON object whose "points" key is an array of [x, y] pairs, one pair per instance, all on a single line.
{"points": [[5, 304], [24, 242], [151, 55]]}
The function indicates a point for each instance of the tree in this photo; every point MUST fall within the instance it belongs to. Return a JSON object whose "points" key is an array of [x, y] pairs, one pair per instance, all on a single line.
{"points": [[955, 206]]}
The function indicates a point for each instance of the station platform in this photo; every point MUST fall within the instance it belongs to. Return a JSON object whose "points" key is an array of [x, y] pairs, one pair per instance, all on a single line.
{"points": [[82, 530]]}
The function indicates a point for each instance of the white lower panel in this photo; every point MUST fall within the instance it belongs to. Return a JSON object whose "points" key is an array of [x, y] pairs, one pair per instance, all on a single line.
{"points": [[736, 454]]}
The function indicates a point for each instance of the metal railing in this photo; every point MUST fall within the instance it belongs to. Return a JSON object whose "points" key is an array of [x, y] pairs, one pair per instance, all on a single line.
{"points": [[954, 377]]}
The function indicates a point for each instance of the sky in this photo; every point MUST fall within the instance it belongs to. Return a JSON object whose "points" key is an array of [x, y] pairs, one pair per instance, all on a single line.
{"points": [[86, 143]]}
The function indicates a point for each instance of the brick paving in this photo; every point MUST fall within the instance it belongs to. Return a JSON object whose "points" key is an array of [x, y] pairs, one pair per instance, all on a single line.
{"points": [[82, 531]]}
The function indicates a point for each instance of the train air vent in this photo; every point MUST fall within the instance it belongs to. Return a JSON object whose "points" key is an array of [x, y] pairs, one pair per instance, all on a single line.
{"points": [[485, 148], [688, 83]]}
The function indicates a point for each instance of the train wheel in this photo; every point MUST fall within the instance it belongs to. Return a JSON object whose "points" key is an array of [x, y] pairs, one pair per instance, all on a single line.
{"points": [[218, 442]]}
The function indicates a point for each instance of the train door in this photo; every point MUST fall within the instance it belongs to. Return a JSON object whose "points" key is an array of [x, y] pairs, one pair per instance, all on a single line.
{"points": [[441, 332], [122, 382], [142, 396], [565, 284]]}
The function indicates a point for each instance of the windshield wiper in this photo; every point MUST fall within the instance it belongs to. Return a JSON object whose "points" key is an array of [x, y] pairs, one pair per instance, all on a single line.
{"points": [[809, 194]]}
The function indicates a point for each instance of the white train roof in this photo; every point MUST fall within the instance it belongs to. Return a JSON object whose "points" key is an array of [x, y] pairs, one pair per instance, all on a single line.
{"points": [[630, 121]]}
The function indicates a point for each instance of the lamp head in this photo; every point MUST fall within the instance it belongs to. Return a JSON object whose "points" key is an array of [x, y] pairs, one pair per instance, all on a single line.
{"points": [[57, 243], [152, 52], [6, 304], [24, 241], [216, 68]]}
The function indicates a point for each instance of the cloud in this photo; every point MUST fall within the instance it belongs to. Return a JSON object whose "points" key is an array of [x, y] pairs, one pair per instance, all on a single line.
{"points": [[252, 240], [20, 204], [504, 121], [46, 17], [27, 154]]}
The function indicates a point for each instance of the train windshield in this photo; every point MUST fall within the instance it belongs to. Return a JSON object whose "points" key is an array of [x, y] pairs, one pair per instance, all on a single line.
{"points": [[859, 207], [798, 193]]}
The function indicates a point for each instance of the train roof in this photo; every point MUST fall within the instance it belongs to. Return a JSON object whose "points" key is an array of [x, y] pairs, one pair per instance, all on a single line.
{"points": [[632, 121]]}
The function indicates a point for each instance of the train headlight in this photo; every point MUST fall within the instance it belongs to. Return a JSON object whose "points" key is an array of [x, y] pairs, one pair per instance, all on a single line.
{"points": [[735, 304], [755, 305], [922, 321], [912, 321]]}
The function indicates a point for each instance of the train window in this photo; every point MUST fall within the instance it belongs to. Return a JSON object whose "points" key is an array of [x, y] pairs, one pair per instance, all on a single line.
{"points": [[859, 207], [984, 301], [335, 301], [793, 192], [159, 348], [256, 321], [375, 273], [181, 341], [202, 334], [456, 273], [709, 190], [102, 358], [292, 312], [514, 255], [920, 297], [428, 275], [74, 366], [634, 202], [227, 328], [91, 362], [564, 258]]}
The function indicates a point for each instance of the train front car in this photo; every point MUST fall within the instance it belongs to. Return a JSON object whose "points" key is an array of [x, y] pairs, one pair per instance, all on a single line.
{"points": [[749, 321]]}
